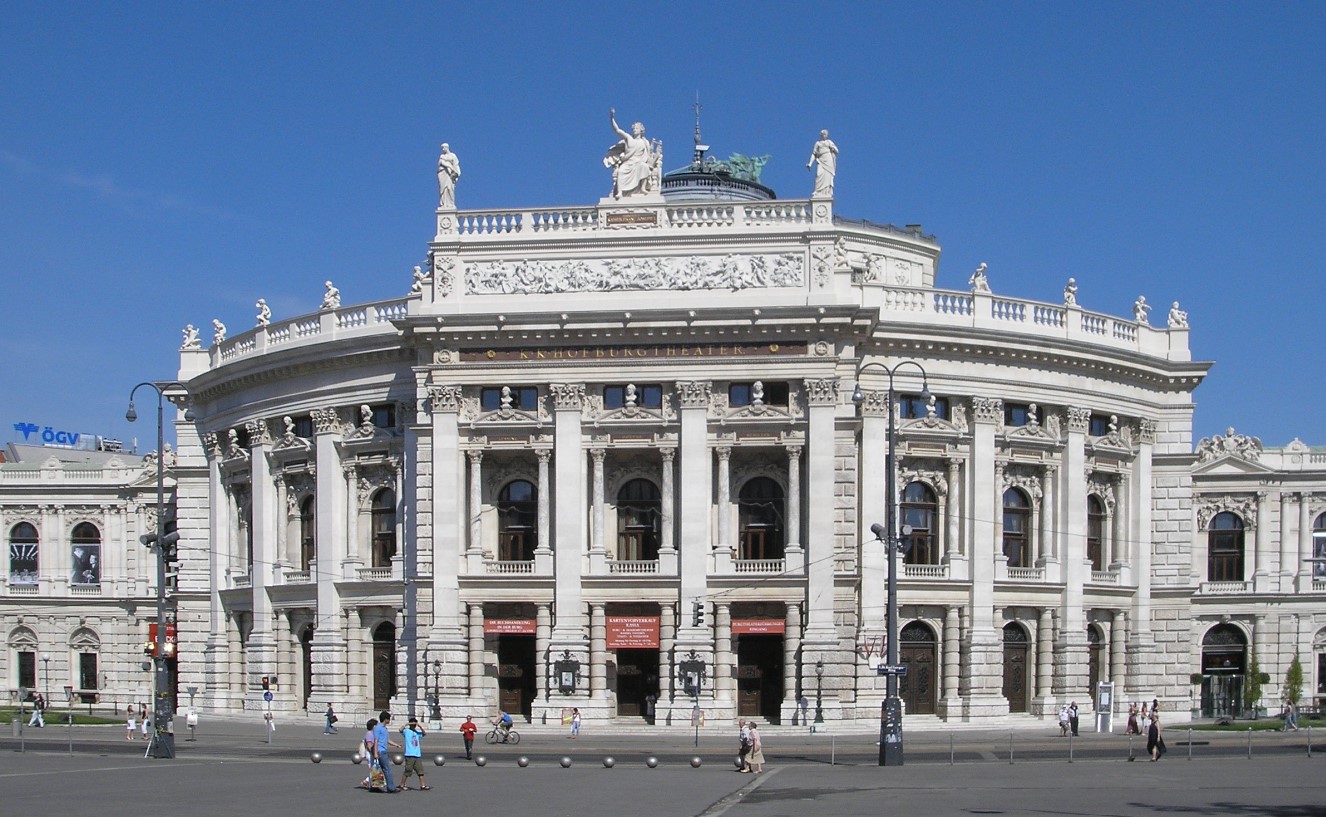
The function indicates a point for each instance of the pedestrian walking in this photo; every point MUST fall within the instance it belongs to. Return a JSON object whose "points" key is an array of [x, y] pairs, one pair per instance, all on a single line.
{"points": [[743, 753], [1291, 716], [1072, 717], [1132, 719], [38, 718], [1063, 721], [368, 749], [756, 749], [413, 735], [467, 731], [130, 723], [1155, 740], [383, 744], [330, 717], [142, 720], [575, 722]]}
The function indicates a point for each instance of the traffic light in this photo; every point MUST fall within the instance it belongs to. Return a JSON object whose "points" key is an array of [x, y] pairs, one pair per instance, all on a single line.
{"points": [[168, 544], [266, 682], [697, 614]]}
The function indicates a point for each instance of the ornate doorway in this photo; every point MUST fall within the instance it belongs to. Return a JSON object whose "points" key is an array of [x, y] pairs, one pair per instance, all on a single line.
{"points": [[384, 665], [917, 651], [1224, 656], [516, 674], [1095, 659], [1015, 667], [760, 676], [306, 658]]}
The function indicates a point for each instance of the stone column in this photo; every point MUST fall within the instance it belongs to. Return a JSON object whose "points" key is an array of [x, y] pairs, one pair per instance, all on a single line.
{"points": [[542, 636], [1303, 568], [475, 545], [795, 554], [569, 536], [1140, 640], [696, 484], [598, 653], [724, 665], [1044, 657], [981, 679], [356, 551], [821, 401], [1118, 644], [953, 519], [261, 647], [667, 545], [667, 637], [216, 656], [724, 453], [1071, 653], [444, 494], [1288, 547], [1263, 546], [791, 651], [329, 650], [598, 455], [543, 559], [950, 703], [1050, 548], [873, 509], [476, 651]]}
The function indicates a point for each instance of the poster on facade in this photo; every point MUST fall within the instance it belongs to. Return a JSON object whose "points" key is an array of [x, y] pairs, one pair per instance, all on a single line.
{"points": [[508, 626], [758, 626], [632, 632], [86, 565]]}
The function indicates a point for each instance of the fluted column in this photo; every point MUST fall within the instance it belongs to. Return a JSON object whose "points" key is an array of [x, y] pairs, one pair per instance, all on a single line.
{"points": [[794, 497], [598, 639], [476, 650], [953, 518], [598, 455], [1118, 644], [667, 525], [724, 666], [791, 648], [542, 638], [724, 453], [475, 546]]}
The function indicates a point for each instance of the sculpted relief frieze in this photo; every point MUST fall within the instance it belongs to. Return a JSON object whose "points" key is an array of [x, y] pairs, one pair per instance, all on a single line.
{"points": [[613, 274]]}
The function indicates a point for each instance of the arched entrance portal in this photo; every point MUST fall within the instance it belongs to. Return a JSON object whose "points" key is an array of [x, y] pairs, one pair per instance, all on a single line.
{"points": [[1096, 659], [1224, 661], [1015, 667], [916, 652], [384, 665]]}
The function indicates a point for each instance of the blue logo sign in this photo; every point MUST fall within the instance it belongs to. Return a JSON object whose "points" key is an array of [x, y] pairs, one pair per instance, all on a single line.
{"points": [[48, 435]]}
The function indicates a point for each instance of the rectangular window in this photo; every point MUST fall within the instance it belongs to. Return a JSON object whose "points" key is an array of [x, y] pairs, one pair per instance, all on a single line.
{"points": [[87, 670], [769, 394], [1016, 414], [1099, 425], [913, 407], [525, 398], [384, 416], [304, 426], [27, 671], [649, 395], [86, 561], [1319, 552], [22, 562]]}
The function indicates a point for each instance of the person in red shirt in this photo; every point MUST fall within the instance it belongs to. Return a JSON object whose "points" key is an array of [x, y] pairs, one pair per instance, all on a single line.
{"points": [[468, 730]]}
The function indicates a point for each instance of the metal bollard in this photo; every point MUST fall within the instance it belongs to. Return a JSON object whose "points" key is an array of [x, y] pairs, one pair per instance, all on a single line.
{"points": [[950, 746], [833, 748], [1010, 748], [1070, 747], [1249, 743], [1309, 741], [1131, 756], [1190, 743]]}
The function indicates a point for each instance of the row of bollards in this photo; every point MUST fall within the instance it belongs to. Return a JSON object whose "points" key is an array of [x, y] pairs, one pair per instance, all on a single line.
{"points": [[522, 761]]}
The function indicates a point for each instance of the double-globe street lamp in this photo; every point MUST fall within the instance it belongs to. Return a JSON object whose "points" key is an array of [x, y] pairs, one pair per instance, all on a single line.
{"points": [[163, 742], [890, 728]]}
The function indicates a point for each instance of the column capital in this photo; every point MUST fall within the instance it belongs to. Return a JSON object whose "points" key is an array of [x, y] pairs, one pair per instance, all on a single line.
{"points": [[445, 399], [258, 433], [987, 410], [794, 451], [598, 454], [567, 396], [668, 453], [1078, 419], [1146, 430], [475, 456], [821, 391], [874, 403], [692, 394]]}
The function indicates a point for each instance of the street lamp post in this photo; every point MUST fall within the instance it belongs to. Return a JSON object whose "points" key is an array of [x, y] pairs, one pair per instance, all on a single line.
{"points": [[163, 742], [819, 690], [437, 691], [46, 675], [890, 728]]}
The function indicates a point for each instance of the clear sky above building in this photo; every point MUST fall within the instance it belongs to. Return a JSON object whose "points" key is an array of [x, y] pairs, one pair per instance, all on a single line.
{"points": [[165, 163]]}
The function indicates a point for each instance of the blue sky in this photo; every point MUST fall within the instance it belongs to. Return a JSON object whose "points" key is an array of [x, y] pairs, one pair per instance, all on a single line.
{"points": [[168, 163]]}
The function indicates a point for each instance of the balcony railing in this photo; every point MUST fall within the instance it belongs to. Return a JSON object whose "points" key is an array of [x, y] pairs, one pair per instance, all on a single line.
{"points": [[1104, 577], [85, 590], [497, 568], [925, 571], [1223, 588], [373, 574], [1026, 574], [632, 567], [758, 565]]}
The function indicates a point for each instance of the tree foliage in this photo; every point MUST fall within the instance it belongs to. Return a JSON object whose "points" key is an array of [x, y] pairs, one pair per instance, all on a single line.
{"points": [[1294, 680]]}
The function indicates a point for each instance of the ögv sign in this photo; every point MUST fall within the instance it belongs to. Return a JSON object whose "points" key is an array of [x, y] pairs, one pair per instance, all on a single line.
{"points": [[652, 352]]}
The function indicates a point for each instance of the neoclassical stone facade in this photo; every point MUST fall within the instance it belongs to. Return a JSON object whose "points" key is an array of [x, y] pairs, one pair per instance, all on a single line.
{"points": [[594, 450]]}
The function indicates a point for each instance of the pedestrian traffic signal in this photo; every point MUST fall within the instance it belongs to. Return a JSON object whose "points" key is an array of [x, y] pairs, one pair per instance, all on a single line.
{"points": [[266, 682], [697, 614]]}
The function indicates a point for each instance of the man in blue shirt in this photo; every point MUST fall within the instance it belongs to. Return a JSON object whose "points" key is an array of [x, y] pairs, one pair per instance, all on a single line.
{"points": [[383, 744], [413, 735]]}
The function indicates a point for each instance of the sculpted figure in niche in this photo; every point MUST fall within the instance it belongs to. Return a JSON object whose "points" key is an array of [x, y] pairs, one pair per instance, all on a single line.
{"points": [[1178, 319], [1140, 309], [824, 158], [218, 331], [264, 312], [978, 282], [448, 171], [331, 299], [632, 160], [191, 339]]}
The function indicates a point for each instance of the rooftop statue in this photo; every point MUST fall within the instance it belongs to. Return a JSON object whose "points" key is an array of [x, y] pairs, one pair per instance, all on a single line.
{"points": [[1178, 319], [1070, 292], [191, 339], [331, 298], [218, 331], [824, 158], [264, 312], [978, 282], [448, 171], [1140, 309], [747, 167], [634, 161]]}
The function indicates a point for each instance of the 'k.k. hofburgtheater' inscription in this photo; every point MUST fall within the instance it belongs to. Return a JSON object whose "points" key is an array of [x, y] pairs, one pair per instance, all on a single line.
{"points": [[650, 352]]}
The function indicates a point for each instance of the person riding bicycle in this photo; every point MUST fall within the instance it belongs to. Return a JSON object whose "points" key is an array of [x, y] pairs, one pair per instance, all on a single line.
{"points": [[503, 723]]}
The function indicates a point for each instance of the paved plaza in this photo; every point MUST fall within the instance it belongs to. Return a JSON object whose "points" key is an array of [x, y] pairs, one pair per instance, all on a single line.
{"points": [[231, 770]]}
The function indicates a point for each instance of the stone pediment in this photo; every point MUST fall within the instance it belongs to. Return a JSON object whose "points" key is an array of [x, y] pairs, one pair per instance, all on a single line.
{"points": [[1231, 464]]}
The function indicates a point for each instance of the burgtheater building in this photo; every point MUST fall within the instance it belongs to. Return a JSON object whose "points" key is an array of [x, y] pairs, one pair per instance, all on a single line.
{"points": [[627, 457]]}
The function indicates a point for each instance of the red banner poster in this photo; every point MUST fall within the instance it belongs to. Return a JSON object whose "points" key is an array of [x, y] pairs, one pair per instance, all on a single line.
{"points": [[632, 632]]}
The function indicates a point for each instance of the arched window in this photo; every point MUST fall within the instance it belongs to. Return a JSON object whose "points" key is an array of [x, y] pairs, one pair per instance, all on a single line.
{"points": [[23, 544], [308, 533], [760, 519], [638, 505], [1095, 532], [1017, 528], [384, 527], [85, 544], [1319, 547], [1224, 548], [919, 512], [517, 521]]}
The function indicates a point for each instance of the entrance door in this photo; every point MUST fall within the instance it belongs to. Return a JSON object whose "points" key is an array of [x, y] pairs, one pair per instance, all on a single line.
{"points": [[760, 676], [637, 678], [384, 665], [516, 674], [1015, 667], [1096, 653], [916, 652], [1224, 654]]}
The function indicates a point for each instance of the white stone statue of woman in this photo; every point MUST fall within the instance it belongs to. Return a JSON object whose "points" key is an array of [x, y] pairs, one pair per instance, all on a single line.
{"points": [[824, 158], [448, 171], [331, 299], [264, 312], [631, 160]]}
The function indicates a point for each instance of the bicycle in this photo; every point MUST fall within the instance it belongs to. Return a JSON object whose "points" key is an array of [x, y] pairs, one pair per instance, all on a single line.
{"points": [[498, 736]]}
